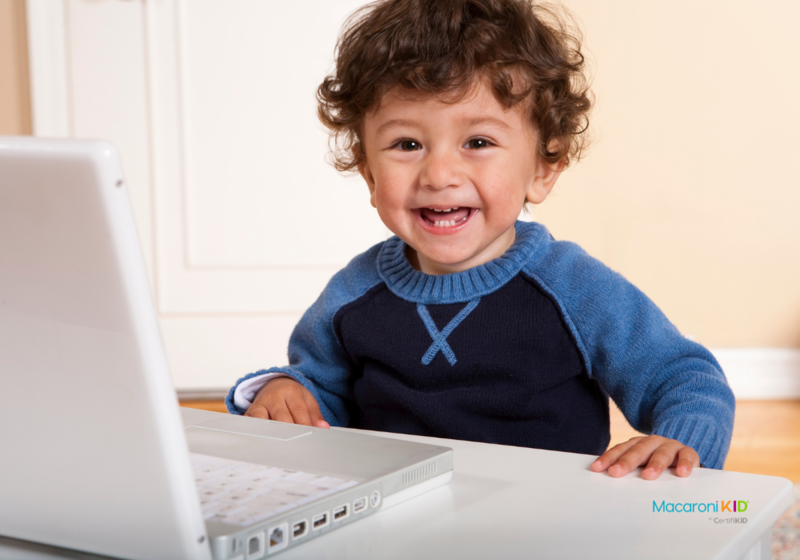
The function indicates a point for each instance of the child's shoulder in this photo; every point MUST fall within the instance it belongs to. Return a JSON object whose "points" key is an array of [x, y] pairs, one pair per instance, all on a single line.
{"points": [[551, 258], [570, 274], [355, 279]]}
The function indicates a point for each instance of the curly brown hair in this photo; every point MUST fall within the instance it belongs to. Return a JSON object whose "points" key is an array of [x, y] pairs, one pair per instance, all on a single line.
{"points": [[441, 47]]}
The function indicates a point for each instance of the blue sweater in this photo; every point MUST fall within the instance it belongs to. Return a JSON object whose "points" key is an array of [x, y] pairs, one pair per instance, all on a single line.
{"points": [[523, 350]]}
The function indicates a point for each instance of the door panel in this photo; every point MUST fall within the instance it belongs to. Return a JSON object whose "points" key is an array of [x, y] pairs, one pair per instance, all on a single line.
{"points": [[211, 106]]}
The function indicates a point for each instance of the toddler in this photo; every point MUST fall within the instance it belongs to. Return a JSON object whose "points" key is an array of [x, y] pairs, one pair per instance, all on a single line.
{"points": [[469, 324]]}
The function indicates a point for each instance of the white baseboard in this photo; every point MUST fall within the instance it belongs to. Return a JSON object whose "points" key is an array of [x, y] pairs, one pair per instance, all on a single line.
{"points": [[761, 373], [202, 394]]}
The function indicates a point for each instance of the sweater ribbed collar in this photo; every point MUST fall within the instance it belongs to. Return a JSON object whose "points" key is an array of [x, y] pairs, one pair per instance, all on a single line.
{"points": [[412, 285]]}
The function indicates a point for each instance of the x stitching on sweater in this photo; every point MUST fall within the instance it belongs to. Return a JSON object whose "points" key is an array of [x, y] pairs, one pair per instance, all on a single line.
{"points": [[440, 338]]}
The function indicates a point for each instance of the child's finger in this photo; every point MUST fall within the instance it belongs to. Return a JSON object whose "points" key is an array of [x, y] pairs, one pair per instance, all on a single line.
{"points": [[661, 458], [314, 412], [297, 408], [687, 460], [257, 410], [280, 412], [635, 456], [610, 456]]}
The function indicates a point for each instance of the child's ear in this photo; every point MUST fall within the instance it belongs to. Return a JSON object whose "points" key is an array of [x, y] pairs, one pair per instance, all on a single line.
{"points": [[366, 173], [544, 180]]}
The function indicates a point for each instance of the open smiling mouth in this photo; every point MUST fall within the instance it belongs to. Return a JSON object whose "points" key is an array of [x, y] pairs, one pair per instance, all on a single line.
{"points": [[446, 218]]}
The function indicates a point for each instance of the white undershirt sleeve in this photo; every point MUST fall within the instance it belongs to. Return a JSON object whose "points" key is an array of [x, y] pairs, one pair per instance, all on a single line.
{"points": [[247, 389]]}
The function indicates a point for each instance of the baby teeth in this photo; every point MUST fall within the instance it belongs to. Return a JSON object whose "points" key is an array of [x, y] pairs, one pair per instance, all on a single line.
{"points": [[444, 223], [446, 210]]}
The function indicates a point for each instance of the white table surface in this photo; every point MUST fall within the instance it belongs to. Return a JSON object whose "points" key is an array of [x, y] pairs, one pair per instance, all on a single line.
{"points": [[510, 502]]}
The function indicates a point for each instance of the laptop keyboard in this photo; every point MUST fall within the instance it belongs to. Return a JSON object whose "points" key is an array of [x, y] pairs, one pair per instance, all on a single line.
{"points": [[239, 493]]}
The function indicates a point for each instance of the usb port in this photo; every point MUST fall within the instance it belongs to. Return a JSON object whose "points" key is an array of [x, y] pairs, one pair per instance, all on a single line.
{"points": [[360, 504], [319, 521], [340, 513], [299, 529]]}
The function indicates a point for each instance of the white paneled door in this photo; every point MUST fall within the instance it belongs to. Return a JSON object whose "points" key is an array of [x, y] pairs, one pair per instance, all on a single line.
{"points": [[211, 106]]}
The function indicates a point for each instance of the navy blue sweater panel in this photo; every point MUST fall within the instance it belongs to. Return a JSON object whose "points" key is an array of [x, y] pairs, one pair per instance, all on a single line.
{"points": [[518, 378]]}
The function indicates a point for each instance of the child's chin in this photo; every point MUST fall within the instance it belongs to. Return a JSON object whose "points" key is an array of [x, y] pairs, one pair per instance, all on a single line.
{"points": [[447, 263]]}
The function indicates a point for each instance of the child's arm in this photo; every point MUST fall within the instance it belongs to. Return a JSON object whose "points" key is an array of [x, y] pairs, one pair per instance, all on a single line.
{"points": [[665, 384], [320, 372]]}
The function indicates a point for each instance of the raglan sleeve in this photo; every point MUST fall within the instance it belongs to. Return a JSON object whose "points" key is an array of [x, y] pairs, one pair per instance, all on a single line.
{"points": [[316, 358], [664, 383]]}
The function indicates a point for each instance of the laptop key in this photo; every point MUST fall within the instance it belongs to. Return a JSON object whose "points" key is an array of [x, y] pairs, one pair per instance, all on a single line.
{"points": [[212, 492]]}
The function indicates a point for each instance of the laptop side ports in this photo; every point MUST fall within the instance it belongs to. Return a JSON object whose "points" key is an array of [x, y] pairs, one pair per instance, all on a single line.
{"points": [[277, 537], [360, 505], [341, 512], [299, 529], [255, 546], [320, 521]]}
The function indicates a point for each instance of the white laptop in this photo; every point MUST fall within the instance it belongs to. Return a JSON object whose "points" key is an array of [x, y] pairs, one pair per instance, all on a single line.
{"points": [[96, 454]]}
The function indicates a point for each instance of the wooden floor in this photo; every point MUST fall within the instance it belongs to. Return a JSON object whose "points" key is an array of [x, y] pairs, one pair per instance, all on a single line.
{"points": [[766, 436], [214, 406]]}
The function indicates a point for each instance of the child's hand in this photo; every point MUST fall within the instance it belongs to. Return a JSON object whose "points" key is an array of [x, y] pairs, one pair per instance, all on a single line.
{"points": [[658, 452], [285, 400]]}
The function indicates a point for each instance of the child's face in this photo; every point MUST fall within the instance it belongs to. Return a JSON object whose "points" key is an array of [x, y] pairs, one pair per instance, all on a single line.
{"points": [[473, 157]]}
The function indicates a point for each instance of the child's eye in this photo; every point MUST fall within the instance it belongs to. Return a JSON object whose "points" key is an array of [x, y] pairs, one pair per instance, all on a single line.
{"points": [[478, 143], [408, 145]]}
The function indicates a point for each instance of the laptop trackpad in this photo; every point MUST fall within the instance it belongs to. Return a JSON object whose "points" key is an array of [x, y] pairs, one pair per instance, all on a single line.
{"points": [[269, 429]]}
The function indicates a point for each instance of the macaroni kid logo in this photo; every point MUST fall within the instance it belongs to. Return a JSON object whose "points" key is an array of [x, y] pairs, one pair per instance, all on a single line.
{"points": [[732, 506], [721, 506]]}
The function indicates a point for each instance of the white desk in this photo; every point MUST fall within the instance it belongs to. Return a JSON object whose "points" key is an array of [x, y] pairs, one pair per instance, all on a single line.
{"points": [[509, 502]]}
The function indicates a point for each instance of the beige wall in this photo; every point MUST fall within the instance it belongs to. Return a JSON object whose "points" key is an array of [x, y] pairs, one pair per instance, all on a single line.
{"points": [[15, 112], [692, 187]]}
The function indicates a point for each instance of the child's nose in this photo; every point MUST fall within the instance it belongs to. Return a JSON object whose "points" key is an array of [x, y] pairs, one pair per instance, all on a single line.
{"points": [[441, 170]]}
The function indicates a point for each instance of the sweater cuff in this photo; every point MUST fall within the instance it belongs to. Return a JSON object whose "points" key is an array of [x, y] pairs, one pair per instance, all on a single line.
{"points": [[700, 434]]}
